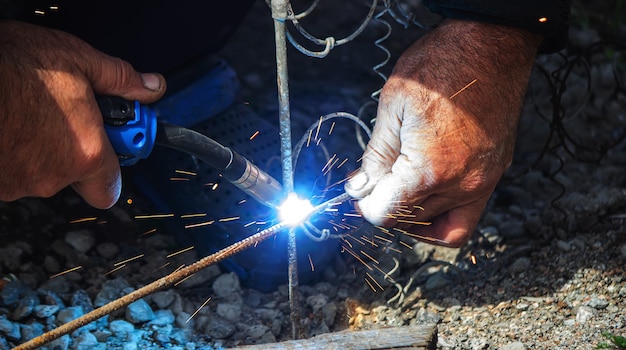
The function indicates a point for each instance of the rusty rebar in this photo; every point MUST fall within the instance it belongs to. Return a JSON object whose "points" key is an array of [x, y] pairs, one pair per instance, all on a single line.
{"points": [[155, 286]]}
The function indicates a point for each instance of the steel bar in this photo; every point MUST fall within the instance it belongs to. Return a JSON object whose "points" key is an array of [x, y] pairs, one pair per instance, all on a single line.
{"points": [[279, 15]]}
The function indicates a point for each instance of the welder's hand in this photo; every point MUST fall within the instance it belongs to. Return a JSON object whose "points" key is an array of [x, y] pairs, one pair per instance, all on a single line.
{"points": [[51, 131], [437, 151]]}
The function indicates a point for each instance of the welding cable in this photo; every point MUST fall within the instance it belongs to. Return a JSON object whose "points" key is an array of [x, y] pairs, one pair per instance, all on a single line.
{"points": [[196, 144], [231, 165]]}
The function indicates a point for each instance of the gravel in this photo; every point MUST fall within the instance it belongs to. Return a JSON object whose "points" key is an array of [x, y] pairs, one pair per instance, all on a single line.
{"points": [[544, 269]]}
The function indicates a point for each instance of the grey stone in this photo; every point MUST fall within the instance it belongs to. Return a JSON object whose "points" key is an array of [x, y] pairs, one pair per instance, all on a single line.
{"points": [[231, 312], [226, 285], [219, 328], [121, 329], [11, 292], [111, 290], [597, 303], [520, 265], [84, 341], [257, 331], [162, 318], [317, 301], [329, 312], [81, 240], [82, 299], [25, 305], [30, 331], [51, 264], [163, 299], [10, 329], [107, 250], [62, 343], [45, 311], [518, 345], [585, 313], [139, 312], [69, 313]]}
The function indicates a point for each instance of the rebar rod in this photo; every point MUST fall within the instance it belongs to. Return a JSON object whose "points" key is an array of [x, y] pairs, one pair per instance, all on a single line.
{"points": [[279, 15], [155, 286]]}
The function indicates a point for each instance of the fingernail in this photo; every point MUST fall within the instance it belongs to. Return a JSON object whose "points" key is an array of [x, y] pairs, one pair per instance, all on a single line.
{"points": [[151, 81], [357, 182]]}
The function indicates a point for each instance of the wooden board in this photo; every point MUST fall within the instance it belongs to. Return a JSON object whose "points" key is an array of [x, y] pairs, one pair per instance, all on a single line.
{"points": [[419, 337]]}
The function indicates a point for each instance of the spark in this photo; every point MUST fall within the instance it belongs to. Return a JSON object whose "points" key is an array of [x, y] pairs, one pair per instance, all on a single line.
{"points": [[363, 156], [40, 12], [369, 284], [329, 161], [256, 133], [331, 209], [405, 244], [356, 256], [148, 232], [385, 231], [387, 275], [185, 172], [543, 19], [331, 166], [374, 280], [83, 220], [463, 89], [347, 242], [382, 239], [319, 125], [66, 271], [424, 238], [311, 262], [214, 187], [241, 201], [473, 259], [332, 126], [179, 179], [229, 219], [183, 280], [249, 224], [206, 223], [342, 163], [395, 250], [128, 260], [413, 222], [129, 201], [318, 142], [308, 140], [198, 310], [115, 269], [369, 241], [179, 268], [353, 215], [187, 216], [418, 207], [180, 252], [370, 257], [154, 216], [162, 266], [54, 7]]}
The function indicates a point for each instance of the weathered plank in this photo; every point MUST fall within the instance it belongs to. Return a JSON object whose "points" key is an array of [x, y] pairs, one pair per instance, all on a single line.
{"points": [[420, 337]]}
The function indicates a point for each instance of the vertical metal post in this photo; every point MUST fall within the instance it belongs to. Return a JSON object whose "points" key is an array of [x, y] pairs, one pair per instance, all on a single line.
{"points": [[279, 14]]}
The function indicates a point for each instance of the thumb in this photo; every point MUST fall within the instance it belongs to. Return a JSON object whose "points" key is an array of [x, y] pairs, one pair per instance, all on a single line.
{"points": [[382, 151], [113, 76]]}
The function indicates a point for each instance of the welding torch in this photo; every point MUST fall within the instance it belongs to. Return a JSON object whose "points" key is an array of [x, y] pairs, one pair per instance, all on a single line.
{"points": [[133, 130]]}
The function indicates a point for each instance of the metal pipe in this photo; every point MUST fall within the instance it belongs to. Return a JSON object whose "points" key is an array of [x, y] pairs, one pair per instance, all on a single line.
{"points": [[279, 15]]}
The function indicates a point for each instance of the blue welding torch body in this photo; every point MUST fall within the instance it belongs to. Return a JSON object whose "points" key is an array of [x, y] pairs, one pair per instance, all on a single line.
{"points": [[133, 130]]}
